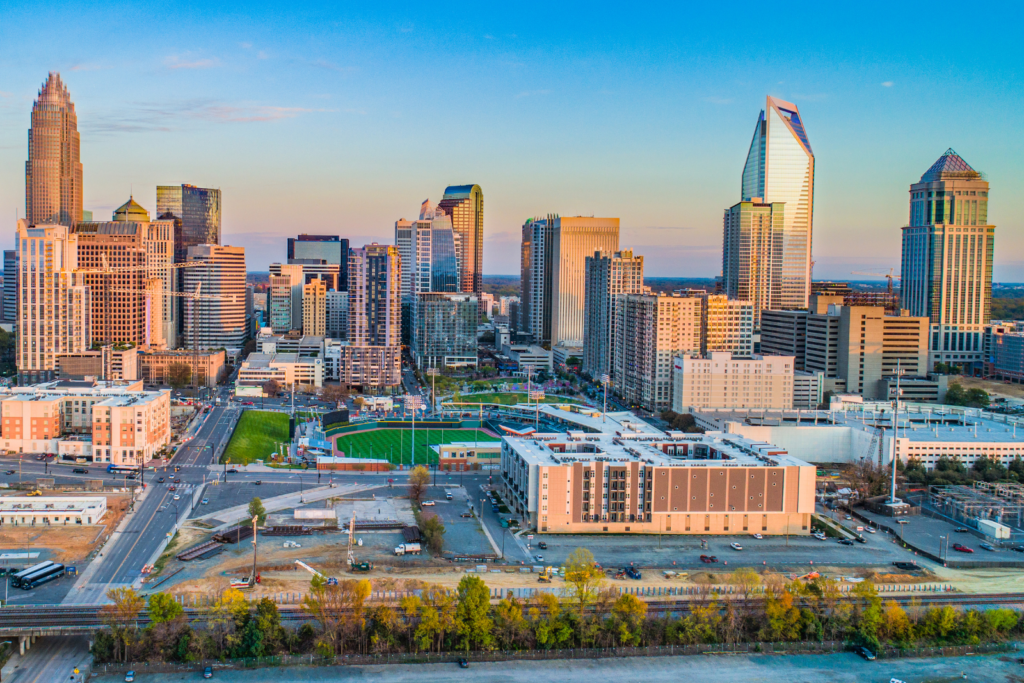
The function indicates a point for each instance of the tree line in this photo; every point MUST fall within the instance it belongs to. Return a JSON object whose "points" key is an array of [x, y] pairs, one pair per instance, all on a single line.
{"points": [[588, 614]]}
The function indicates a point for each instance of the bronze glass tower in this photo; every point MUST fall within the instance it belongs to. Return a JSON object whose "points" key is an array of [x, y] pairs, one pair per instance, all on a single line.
{"points": [[465, 204], [53, 172]]}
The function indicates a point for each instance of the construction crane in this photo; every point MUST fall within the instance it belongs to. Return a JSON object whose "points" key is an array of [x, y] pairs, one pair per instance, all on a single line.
{"points": [[331, 581], [352, 564], [890, 277]]}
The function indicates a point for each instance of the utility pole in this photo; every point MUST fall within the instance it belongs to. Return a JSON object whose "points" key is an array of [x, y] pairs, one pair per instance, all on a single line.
{"points": [[895, 428], [254, 549], [605, 379]]}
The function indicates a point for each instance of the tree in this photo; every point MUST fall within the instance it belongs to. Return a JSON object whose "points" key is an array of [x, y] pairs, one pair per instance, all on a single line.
{"points": [[163, 608], [419, 477], [271, 388], [549, 628], [438, 617], [629, 612], [956, 395], [335, 393], [433, 532], [474, 624], [582, 578], [338, 608], [179, 374], [256, 509], [122, 617], [509, 623]]}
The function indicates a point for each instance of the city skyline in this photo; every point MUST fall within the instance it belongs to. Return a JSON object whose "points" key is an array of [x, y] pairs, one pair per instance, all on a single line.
{"points": [[630, 127]]}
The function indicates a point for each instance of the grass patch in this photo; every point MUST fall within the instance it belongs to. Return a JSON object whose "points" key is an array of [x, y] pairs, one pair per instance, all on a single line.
{"points": [[257, 436], [168, 553], [509, 399], [395, 445]]}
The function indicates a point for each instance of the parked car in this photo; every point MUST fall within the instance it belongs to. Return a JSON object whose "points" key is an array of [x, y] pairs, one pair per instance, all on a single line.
{"points": [[736, 546], [961, 530], [208, 672], [232, 471], [870, 529], [758, 536], [987, 546], [258, 482], [865, 653], [1019, 548], [447, 496], [206, 501], [428, 503], [633, 573], [463, 664], [708, 559], [542, 545], [539, 558], [9, 472], [129, 677], [80, 470], [860, 539], [845, 541], [962, 548]]}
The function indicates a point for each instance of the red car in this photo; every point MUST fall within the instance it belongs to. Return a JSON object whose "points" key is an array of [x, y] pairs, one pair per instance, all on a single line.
{"points": [[708, 559], [962, 548]]}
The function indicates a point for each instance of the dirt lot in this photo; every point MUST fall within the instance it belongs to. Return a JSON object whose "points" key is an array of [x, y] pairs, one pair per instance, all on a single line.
{"points": [[993, 388], [67, 544]]}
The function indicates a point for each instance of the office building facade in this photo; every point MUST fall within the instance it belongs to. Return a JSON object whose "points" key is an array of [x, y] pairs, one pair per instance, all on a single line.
{"points": [[53, 172], [328, 249], [444, 334], [10, 300], [337, 314], [217, 318], [948, 249], [608, 276], [199, 212], [54, 315], [721, 380], [314, 309], [372, 357], [780, 170], [753, 254], [465, 205]]}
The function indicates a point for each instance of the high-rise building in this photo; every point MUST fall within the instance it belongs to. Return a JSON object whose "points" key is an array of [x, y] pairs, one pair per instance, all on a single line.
{"points": [[887, 299], [53, 302], [10, 300], [726, 325], [607, 277], [405, 241], [337, 314], [752, 254], [465, 205], [53, 172], [780, 170], [721, 380], [314, 309], [554, 253], [284, 296], [652, 330], [947, 259], [125, 263], [330, 249], [372, 358], [429, 252], [197, 208], [445, 331], [218, 321]]}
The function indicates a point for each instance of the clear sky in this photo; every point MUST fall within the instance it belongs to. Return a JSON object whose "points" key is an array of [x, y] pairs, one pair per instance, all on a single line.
{"points": [[323, 119]]}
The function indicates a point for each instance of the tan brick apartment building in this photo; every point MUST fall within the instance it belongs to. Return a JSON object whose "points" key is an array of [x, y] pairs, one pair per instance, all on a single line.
{"points": [[622, 481], [155, 367]]}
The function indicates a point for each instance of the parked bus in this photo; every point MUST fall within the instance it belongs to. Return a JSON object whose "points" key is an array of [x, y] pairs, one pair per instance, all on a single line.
{"points": [[16, 579], [122, 469], [42, 576]]}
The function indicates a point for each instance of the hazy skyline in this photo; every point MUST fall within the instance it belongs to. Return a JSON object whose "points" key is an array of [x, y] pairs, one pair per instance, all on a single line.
{"points": [[343, 120]]}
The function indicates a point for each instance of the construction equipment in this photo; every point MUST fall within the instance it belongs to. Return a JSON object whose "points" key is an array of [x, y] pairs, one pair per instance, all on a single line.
{"points": [[330, 580], [890, 277], [408, 549], [546, 575]]}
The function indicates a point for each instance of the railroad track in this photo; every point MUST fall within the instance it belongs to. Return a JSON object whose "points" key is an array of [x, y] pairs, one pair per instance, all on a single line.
{"points": [[16, 619]]}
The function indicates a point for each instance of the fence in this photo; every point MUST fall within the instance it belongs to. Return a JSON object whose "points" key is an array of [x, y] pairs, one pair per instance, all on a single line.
{"points": [[827, 647]]}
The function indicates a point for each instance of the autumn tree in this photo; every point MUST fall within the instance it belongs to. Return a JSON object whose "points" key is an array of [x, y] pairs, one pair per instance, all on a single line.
{"points": [[122, 616], [163, 608], [629, 613], [419, 478], [257, 510], [583, 579], [509, 622], [338, 608], [433, 533], [384, 625], [438, 617], [335, 393], [549, 628], [271, 388], [179, 374], [409, 610], [473, 614]]}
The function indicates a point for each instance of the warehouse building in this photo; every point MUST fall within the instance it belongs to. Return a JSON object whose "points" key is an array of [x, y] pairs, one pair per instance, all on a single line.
{"points": [[42, 510]]}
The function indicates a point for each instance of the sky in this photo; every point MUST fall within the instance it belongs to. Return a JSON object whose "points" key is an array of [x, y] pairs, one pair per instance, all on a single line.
{"points": [[342, 119]]}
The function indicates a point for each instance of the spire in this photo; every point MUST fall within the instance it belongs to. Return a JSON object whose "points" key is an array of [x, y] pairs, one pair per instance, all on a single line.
{"points": [[949, 165]]}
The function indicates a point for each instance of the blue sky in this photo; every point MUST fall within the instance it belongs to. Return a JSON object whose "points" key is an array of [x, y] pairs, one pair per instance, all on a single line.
{"points": [[313, 118]]}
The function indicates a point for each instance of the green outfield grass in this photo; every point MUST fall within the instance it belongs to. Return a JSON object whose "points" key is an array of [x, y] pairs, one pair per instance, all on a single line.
{"points": [[508, 399], [396, 445], [257, 436]]}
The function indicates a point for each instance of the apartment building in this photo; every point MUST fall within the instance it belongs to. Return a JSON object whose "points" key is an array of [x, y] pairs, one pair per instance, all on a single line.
{"points": [[314, 308], [650, 332], [155, 366], [114, 362], [217, 319], [444, 333], [607, 277], [721, 380]]}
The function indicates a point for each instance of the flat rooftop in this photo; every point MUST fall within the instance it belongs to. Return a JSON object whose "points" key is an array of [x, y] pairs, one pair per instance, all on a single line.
{"points": [[49, 504]]}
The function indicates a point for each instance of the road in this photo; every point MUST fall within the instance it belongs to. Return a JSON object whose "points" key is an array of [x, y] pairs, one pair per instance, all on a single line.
{"points": [[839, 668], [49, 660]]}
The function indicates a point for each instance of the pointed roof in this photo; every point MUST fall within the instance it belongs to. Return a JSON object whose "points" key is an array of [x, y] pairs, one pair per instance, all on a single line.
{"points": [[949, 165], [131, 210]]}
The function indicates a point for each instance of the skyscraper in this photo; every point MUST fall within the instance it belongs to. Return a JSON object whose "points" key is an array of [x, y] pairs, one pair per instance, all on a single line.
{"points": [[574, 238], [216, 322], [199, 211], [947, 259], [445, 331], [53, 308], [314, 309], [780, 169], [53, 172], [10, 300], [752, 255], [465, 205], [374, 316], [329, 249], [607, 277]]}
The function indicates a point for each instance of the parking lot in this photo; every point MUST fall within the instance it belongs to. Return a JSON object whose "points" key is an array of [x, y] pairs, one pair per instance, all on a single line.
{"points": [[463, 535], [222, 497]]}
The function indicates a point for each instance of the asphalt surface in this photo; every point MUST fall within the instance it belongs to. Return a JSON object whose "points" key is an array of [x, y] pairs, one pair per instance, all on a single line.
{"points": [[838, 668], [49, 660]]}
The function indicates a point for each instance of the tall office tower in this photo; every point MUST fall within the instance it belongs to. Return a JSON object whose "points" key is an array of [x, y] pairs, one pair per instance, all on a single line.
{"points": [[53, 172], [780, 170], [125, 264], [309, 270], [435, 253], [284, 297], [374, 278], [726, 325], [554, 254], [314, 309], [10, 300], [947, 259], [652, 330], [607, 276], [752, 255], [445, 331], [53, 303], [406, 243], [197, 208], [219, 322], [337, 314], [465, 205], [329, 249]]}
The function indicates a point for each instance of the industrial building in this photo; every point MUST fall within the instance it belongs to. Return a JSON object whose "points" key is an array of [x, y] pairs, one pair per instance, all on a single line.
{"points": [[44, 510]]}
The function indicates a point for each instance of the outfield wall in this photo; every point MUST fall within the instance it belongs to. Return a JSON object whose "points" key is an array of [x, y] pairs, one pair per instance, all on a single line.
{"points": [[352, 428]]}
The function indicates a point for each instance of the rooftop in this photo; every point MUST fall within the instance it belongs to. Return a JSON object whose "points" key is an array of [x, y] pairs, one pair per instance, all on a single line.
{"points": [[949, 165]]}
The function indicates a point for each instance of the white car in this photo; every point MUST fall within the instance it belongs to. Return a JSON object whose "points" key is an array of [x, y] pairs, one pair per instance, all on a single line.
{"points": [[870, 529], [428, 503], [736, 546], [177, 497], [758, 536]]}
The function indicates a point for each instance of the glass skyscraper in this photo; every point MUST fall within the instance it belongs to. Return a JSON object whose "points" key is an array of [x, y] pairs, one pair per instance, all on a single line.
{"points": [[330, 249], [780, 170], [197, 208], [465, 205]]}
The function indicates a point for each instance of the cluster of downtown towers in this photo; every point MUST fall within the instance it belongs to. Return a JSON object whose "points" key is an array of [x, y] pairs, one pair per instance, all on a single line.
{"points": [[72, 283]]}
